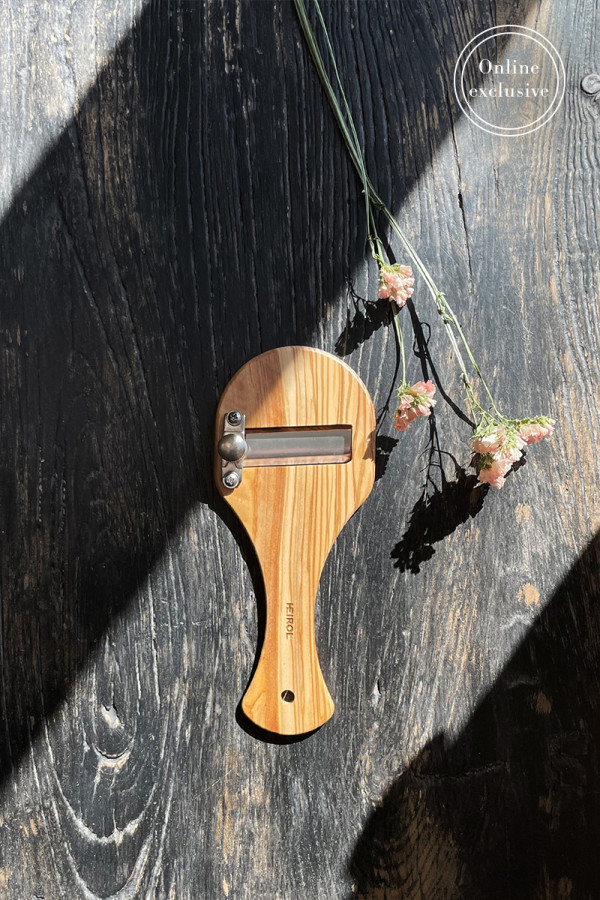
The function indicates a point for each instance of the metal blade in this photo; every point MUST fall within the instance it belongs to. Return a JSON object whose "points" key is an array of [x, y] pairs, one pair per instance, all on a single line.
{"points": [[298, 446]]}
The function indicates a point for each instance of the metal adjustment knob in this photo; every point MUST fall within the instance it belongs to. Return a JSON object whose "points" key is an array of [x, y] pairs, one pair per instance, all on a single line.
{"points": [[232, 448]]}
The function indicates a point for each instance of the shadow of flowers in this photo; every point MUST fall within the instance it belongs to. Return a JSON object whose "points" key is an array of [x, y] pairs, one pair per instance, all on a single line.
{"points": [[436, 514], [444, 503], [366, 317], [384, 445]]}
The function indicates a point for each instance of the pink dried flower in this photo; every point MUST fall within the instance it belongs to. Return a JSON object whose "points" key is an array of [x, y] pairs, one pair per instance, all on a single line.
{"points": [[395, 283], [499, 447], [535, 430], [413, 402], [489, 443], [493, 471], [497, 442], [509, 454]]}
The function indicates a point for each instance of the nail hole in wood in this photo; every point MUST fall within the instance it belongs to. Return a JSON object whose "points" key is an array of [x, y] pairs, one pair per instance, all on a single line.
{"points": [[288, 696]]}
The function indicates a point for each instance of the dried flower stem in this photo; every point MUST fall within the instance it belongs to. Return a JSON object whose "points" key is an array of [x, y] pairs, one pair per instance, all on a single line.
{"points": [[347, 128]]}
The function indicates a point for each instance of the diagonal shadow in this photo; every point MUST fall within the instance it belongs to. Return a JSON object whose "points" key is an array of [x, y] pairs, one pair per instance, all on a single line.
{"points": [[511, 809], [151, 253]]}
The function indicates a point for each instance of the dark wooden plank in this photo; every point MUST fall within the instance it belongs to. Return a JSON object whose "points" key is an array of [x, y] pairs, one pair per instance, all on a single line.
{"points": [[171, 209]]}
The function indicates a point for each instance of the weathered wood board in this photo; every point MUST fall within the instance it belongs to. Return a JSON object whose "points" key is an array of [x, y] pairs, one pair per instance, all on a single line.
{"points": [[175, 200]]}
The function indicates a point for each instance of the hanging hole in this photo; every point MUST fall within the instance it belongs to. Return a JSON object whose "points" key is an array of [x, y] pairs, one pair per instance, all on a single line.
{"points": [[288, 696]]}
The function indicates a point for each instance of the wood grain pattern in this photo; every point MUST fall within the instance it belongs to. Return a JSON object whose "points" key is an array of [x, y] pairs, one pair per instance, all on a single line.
{"points": [[292, 515], [190, 207]]}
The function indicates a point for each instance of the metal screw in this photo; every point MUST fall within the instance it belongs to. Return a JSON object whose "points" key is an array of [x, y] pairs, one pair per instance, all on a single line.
{"points": [[591, 84], [231, 480], [234, 417]]}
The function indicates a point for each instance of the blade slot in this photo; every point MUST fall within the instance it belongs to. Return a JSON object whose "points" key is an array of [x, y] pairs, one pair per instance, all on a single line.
{"points": [[303, 445]]}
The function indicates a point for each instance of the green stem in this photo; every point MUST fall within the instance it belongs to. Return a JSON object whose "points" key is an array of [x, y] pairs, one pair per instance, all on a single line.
{"points": [[347, 128], [400, 339], [472, 360], [348, 134], [348, 117]]}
